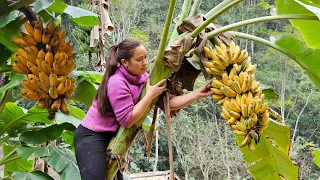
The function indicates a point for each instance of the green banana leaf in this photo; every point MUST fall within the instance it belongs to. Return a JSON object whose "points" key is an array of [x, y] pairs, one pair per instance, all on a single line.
{"points": [[85, 92], [46, 134], [19, 164], [308, 29], [7, 32], [36, 114], [304, 55], [67, 136], [269, 92], [12, 16], [76, 112], [271, 159], [316, 155], [64, 163], [63, 118], [32, 152], [13, 83], [35, 175]]}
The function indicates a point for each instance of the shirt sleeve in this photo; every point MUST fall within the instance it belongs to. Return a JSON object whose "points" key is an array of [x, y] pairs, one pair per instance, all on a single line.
{"points": [[121, 101], [160, 103]]}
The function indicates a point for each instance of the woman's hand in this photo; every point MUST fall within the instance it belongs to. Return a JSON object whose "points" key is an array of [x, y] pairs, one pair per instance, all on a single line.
{"points": [[204, 91], [155, 90]]}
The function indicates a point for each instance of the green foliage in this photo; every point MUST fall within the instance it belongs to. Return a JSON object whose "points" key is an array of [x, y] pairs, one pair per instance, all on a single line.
{"points": [[38, 175]]}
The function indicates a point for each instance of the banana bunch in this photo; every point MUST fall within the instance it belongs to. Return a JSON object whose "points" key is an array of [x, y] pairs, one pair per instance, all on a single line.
{"points": [[47, 60], [238, 92]]}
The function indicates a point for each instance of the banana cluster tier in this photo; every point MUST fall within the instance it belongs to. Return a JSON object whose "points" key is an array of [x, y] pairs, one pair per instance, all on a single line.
{"points": [[235, 88], [47, 60]]}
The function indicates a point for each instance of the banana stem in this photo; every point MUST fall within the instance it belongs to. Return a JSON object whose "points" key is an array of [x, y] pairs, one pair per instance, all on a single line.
{"points": [[6, 158], [16, 5], [184, 14], [259, 20], [276, 47], [213, 17], [195, 8], [217, 8]]}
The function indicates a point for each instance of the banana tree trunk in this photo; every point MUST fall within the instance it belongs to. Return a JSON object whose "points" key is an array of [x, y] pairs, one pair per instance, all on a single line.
{"points": [[119, 145]]}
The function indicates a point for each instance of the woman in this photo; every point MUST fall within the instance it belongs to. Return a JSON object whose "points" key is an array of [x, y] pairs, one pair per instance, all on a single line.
{"points": [[117, 103]]}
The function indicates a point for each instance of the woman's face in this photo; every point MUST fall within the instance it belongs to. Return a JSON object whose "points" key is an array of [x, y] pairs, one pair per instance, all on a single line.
{"points": [[137, 65]]}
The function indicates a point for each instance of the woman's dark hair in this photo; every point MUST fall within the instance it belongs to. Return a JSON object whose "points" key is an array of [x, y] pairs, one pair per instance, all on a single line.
{"points": [[124, 50]]}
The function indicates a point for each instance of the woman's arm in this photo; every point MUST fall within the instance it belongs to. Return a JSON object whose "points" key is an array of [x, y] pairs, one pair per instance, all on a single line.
{"points": [[141, 107], [182, 101]]}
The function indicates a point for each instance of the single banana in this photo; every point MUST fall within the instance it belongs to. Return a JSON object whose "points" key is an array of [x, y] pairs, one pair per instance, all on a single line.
{"points": [[19, 42], [239, 133], [28, 39], [68, 94], [61, 88], [220, 51], [38, 31], [56, 105], [231, 121], [29, 28], [217, 97], [53, 92], [64, 107], [44, 81], [53, 80], [236, 54]]}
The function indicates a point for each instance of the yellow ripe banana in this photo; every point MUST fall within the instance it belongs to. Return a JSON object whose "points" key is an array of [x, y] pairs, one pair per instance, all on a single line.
{"points": [[44, 81], [39, 64], [209, 64], [19, 42], [232, 47], [49, 58], [46, 67], [217, 97], [231, 121], [27, 85], [42, 94], [232, 73], [22, 52], [47, 32], [54, 40], [53, 92], [234, 114], [263, 108], [29, 28], [228, 91], [238, 100], [236, 86], [34, 50], [225, 78], [255, 118], [28, 39], [61, 88], [236, 78], [31, 56], [241, 127], [42, 103], [68, 49], [246, 140], [234, 105], [236, 128], [216, 84], [251, 109], [239, 133], [223, 47], [257, 105], [244, 85], [231, 106], [33, 77], [68, 84], [248, 123], [220, 59], [241, 57], [208, 70], [236, 54], [220, 101], [251, 147], [63, 67], [247, 64], [255, 86], [206, 51], [241, 78], [19, 59], [38, 31], [68, 94], [34, 69], [258, 92], [56, 67], [69, 68], [224, 116], [216, 91], [41, 54], [53, 80], [62, 79], [223, 60], [64, 107], [220, 51], [229, 58], [61, 45], [251, 69], [249, 98], [56, 105], [265, 119], [28, 94], [225, 112], [243, 98], [244, 110], [218, 65], [24, 69]]}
